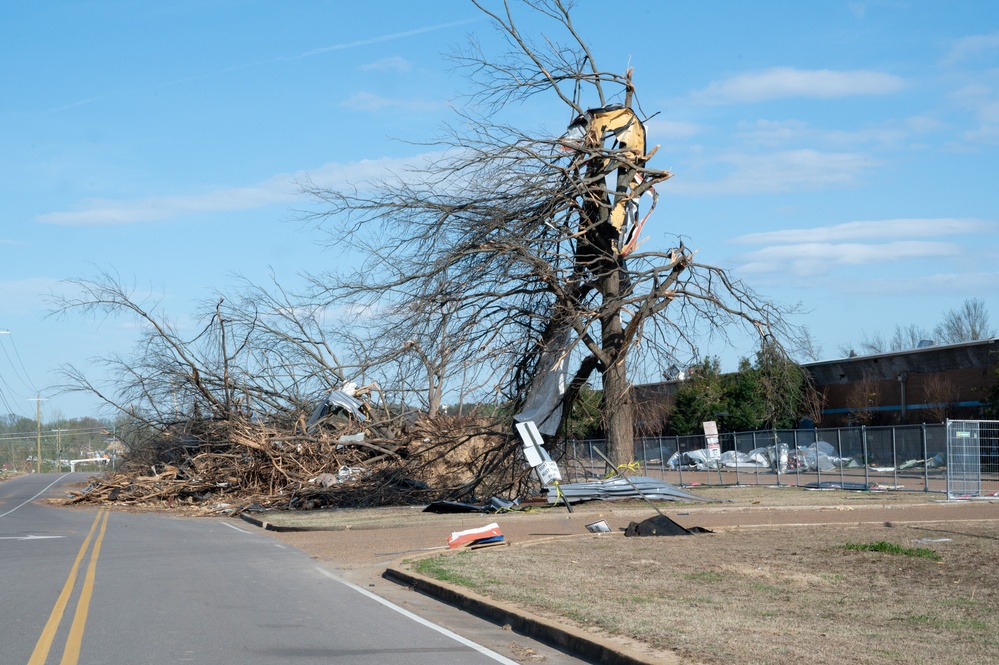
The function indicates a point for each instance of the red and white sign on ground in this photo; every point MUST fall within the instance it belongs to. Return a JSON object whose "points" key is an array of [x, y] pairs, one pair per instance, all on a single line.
{"points": [[468, 536]]}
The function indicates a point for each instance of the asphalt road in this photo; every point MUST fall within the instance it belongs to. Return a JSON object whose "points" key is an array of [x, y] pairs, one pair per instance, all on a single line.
{"points": [[92, 586]]}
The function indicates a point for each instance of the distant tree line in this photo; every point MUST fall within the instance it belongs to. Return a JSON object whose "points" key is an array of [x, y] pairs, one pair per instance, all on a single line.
{"points": [[967, 323]]}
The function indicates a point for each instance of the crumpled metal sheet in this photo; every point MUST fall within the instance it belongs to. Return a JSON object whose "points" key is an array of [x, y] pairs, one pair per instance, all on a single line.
{"points": [[652, 489], [337, 399]]}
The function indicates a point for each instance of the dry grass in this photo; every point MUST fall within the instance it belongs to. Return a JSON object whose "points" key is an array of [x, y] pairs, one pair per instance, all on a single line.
{"points": [[763, 594]]}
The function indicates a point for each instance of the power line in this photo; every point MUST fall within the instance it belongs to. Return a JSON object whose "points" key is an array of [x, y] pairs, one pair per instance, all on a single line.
{"points": [[23, 377]]}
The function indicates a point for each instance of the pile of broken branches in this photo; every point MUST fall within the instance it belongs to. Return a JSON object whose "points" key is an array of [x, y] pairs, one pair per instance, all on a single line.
{"points": [[234, 466]]}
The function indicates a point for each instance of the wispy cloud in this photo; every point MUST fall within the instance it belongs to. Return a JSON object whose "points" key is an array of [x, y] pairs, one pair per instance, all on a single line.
{"points": [[658, 129], [367, 101], [924, 286], [786, 82], [820, 250], [110, 212], [394, 63], [385, 38], [276, 190], [782, 132], [818, 258], [789, 170], [972, 46], [342, 46], [26, 296], [872, 230]]}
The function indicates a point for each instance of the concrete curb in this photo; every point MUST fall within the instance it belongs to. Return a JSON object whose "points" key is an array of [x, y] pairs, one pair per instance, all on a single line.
{"points": [[267, 526], [567, 638]]}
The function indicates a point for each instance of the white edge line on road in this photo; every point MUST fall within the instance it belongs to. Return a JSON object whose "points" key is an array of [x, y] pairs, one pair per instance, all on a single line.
{"points": [[36, 496], [235, 528], [420, 620]]}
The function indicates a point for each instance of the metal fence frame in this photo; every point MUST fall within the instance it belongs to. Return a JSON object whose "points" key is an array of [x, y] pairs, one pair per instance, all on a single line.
{"points": [[973, 459], [902, 457]]}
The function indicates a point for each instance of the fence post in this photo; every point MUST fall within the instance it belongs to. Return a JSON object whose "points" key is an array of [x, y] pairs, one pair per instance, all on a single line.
{"points": [[818, 467], [679, 459], [735, 453], [797, 460], [776, 454], [662, 462], [757, 468], [894, 457], [867, 466], [926, 466], [839, 452]]}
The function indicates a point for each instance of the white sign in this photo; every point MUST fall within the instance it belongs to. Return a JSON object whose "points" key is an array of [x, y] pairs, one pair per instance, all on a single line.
{"points": [[535, 453], [711, 436], [548, 472]]}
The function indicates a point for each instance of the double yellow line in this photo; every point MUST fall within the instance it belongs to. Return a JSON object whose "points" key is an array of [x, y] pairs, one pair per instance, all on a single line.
{"points": [[71, 654]]}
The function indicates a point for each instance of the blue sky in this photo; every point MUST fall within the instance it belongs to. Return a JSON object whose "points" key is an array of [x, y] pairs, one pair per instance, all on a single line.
{"points": [[840, 155]]}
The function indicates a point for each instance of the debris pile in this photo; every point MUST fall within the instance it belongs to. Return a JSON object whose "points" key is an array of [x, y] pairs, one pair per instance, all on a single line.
{"points": [[234, 466], [820, 455]]}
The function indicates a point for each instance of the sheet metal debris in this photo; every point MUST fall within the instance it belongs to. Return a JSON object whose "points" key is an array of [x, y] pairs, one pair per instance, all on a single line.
{"points": [[338, 400], [616, 130], [620, 488]]}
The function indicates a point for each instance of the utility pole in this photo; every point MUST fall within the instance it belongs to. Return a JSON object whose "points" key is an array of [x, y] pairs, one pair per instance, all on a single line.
{"points": [[38, 456], [38, 453], [59, 448]]}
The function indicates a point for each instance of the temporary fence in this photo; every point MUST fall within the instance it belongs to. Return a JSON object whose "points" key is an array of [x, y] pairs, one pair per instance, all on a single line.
{"points": [[973, 459], [904, 457]]}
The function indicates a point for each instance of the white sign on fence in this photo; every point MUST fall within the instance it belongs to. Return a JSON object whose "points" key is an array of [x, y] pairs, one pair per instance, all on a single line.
{"points": [[711, 438]]}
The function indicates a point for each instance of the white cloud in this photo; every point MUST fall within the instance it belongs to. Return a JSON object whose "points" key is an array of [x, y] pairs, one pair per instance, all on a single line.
{"points": [[367, 101], [657, 129], [871, 230], [785, 82], [972, 46], [982, 100], [790, 170], [110, 212], [946, 285], [22, 296], [394, 63], [781, 132], [923, 123], [818, 258], [278, 189]]}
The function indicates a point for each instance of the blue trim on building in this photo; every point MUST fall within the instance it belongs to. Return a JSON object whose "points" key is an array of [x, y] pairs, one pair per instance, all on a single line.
{"points": [[898, 407]]}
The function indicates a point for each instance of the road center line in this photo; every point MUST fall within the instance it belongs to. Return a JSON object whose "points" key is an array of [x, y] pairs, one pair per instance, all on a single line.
{"points": [[71, 654], [41, 652]]}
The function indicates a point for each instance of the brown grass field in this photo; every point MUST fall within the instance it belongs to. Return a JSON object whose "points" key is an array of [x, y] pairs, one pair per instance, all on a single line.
{"points": [[772, 593]]}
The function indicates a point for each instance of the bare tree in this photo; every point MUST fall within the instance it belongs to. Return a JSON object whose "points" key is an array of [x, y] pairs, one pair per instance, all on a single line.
{"points": [[527, 243], [904, 337], [863, 400], [940, 395], [966, 323]]}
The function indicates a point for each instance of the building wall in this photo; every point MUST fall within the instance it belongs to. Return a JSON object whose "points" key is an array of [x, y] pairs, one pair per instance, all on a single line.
{"points": [[914, 386], [926, 385]]}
